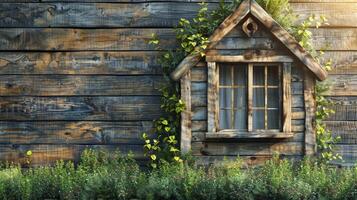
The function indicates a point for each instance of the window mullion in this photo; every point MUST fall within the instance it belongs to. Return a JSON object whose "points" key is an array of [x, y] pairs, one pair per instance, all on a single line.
{"points": [[250, 97], [280, 95], [232, 97], [266, 97]]}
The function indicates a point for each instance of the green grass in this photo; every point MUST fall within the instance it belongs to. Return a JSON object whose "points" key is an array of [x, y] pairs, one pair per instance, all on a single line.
{"points": [[99, 176]]}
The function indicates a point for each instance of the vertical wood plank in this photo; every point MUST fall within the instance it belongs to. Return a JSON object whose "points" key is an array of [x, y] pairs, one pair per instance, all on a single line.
{"points": [[287, 97], [186, 116], [310, 109], [212, 97], [250, 97]]}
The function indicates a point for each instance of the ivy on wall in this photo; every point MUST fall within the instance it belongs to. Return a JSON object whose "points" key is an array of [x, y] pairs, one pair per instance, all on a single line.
{"points": [[325, 140], [162, 145], [192, 36]]}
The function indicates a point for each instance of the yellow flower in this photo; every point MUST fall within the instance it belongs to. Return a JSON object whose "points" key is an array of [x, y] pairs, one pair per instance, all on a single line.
{"points": [[178, 159], [29, 153]]}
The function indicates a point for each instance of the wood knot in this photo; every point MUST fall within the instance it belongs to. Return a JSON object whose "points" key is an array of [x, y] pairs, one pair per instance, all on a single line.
{"points": [[344, 85], [9, 85], [51, 11]]}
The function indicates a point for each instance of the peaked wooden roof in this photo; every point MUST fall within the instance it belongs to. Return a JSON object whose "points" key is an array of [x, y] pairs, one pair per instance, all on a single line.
{"points": [[253, 8]]}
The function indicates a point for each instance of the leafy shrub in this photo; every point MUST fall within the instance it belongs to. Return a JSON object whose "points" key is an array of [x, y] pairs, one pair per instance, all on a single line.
{"points": [[13, 185], [108, 176]]}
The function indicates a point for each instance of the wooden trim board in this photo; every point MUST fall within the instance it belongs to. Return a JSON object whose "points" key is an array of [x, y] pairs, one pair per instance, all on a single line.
{"points": [[310, 109], [186, 116], [244, 59]]}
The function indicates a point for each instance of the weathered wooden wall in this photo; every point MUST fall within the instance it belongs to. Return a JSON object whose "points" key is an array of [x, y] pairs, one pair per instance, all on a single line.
{"points": [[79, 73]]}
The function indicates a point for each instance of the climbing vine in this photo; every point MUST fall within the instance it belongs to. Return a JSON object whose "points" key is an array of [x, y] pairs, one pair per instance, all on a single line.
{"points": [[162, 145], [325, 140]]}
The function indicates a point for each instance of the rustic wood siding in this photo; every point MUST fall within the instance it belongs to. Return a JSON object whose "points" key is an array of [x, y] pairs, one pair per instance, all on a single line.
{"points": [[78, 74]]}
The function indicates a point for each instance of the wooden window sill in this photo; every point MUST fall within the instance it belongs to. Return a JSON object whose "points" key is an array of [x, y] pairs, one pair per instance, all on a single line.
{"points": [[247, 135]]}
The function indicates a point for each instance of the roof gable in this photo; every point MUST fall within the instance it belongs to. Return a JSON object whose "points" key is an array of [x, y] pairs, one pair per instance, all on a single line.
{"points": [[253, 8]]}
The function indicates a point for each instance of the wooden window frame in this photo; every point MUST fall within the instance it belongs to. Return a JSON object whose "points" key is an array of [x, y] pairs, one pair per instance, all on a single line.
{"points": [[213, 131]]}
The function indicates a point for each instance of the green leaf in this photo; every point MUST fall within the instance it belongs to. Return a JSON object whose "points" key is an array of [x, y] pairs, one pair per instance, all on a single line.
{"points": [[173, 149], [144, 136], [153, 157]]}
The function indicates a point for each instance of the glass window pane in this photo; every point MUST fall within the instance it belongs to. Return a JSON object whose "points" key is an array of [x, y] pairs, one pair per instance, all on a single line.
{"points": [[240, 119], [225, 75], [225, 120], [258, 75], [273, 75], [240, 75], [258, 119], [225, 98], [273, 98], [240, 98], [273, 119], [258, 97]]}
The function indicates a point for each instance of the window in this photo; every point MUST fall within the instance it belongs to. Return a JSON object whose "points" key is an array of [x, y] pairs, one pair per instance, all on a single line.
{"points": [[234, 104], [249, 98], [233, 95]]}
